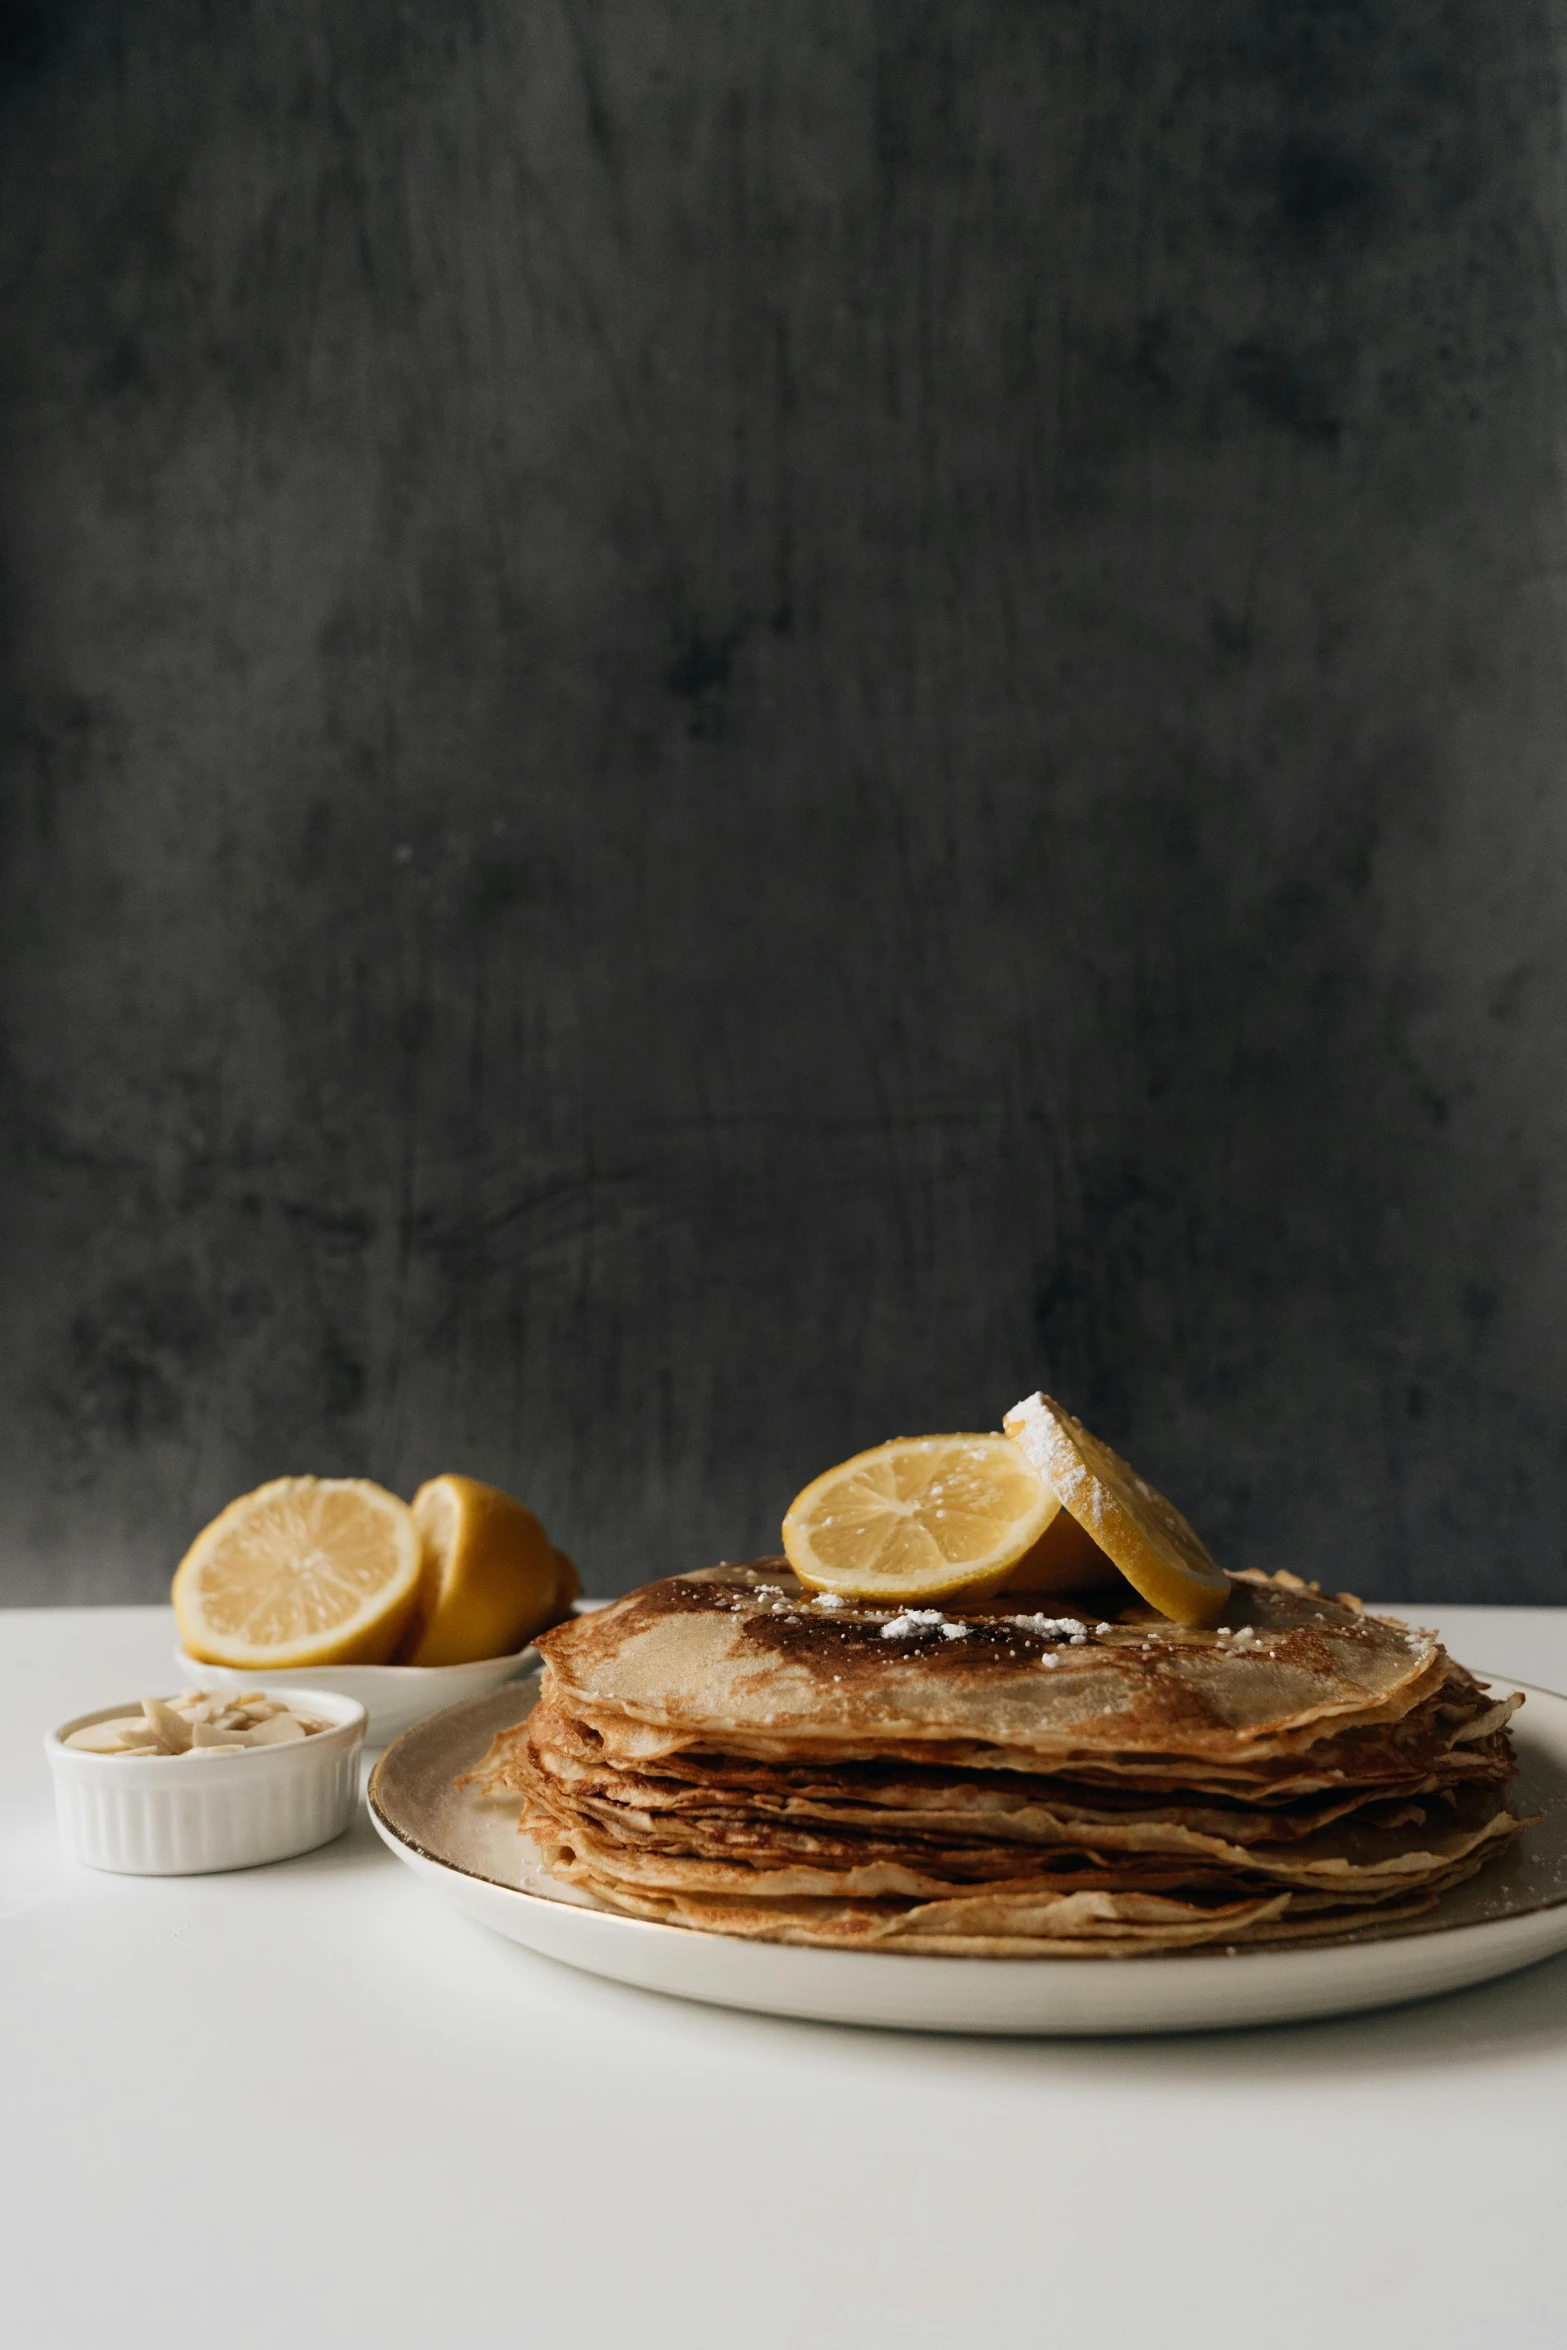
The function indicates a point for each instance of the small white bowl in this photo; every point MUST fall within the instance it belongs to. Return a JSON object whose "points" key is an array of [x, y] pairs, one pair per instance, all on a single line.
{"points": [[394, 1696], [168, 1815]]}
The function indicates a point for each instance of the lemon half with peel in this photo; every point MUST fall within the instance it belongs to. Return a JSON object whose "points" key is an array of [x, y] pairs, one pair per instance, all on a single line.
{"points": [[304, 1571], [1146, 1536], [490, 1577], [925, 1517]]}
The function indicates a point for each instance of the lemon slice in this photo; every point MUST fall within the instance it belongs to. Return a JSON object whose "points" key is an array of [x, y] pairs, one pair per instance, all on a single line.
{"points": [[924, 1517], [490, 1576], [304, 1571], [1145, 1535]]}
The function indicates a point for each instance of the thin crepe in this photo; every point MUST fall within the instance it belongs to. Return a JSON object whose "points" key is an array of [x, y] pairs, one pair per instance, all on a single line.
{"points": [[723, 1752], [745, 1658]]}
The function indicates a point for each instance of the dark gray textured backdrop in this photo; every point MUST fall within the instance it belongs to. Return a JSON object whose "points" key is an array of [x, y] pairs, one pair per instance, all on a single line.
{"points": [[728, 728]]}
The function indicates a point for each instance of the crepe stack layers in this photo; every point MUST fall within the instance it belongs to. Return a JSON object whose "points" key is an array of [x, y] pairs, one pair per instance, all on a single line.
{"points": [[726, 1751]]}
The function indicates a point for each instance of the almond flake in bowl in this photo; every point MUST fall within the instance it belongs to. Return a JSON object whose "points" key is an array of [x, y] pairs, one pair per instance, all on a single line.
{"points": [[197, 1723]]}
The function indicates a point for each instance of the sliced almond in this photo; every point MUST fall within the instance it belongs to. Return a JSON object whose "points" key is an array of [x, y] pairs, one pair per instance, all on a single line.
{"points": [[282, 1730], [170, 1729], [194, 1723], [106, 1737]]}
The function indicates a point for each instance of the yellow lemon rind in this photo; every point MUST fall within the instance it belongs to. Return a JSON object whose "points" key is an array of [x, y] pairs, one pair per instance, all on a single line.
{"points": [[492, 1589]]}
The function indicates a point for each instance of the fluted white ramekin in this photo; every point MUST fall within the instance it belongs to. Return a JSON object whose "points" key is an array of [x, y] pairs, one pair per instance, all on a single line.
{"points": [[171, 1815]]}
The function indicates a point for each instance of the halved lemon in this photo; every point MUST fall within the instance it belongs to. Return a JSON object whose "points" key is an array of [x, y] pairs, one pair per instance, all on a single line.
{"points": [[490, 1577], [1156, 1550], [924, 1517], [304, 1571]]}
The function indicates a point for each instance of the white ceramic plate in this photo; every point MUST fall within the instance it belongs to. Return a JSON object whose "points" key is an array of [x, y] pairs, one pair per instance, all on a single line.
{"points": [[467, 1850]]}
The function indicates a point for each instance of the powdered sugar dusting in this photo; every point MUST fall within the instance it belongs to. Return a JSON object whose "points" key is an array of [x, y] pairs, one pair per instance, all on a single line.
{"points": [[1055, 1628], [922, 1619], [912, 1620], [1026, 1424]]}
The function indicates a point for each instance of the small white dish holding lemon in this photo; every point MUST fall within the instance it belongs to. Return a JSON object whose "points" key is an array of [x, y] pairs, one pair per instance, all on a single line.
{"points": [[334, 1584], [394, 1696]]}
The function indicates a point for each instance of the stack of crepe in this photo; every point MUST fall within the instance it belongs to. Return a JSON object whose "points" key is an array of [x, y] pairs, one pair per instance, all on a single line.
{"points": [[727, 1751]]}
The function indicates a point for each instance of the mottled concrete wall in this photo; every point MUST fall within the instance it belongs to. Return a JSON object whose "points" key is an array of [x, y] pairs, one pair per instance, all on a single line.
{"points": [[728, 729]]}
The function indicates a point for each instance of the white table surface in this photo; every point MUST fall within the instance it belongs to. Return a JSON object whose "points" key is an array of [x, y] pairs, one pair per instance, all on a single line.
{"points": [[310, 2105]]}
